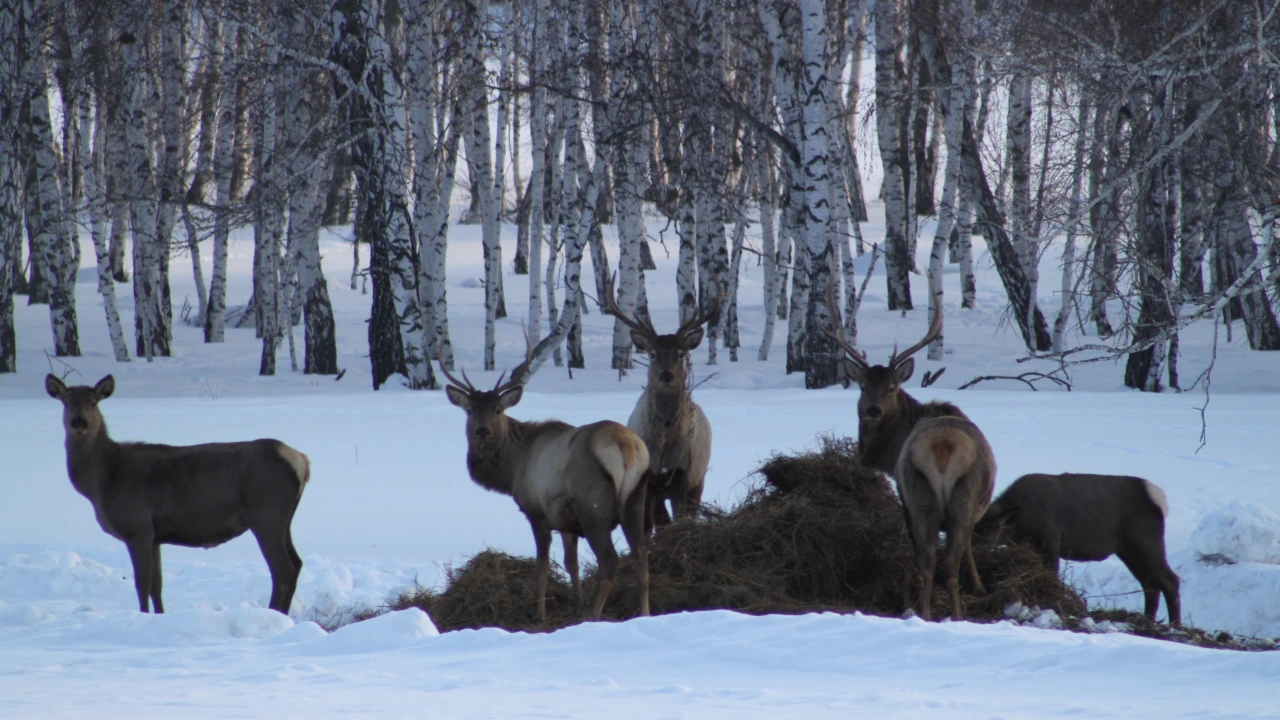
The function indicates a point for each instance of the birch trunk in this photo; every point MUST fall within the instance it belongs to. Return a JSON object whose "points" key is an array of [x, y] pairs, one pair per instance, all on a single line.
{"points": [[149, 329], [1019, 163], [1156, 226], [624, 112], [822, 358], [93, 161], [537, 177], [171, 171], [435, 160], [305, 127], [269, 234], [10, 185], [890, 119], [215, 320], [376, 110], [50, 242], [1073, 228], [1103, 215]]}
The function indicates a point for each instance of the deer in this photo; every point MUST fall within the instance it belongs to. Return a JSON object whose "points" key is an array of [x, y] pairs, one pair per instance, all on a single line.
{"points": [[577, 480], [673, 426], [147, 495], [941, 462], [1089, 518]]}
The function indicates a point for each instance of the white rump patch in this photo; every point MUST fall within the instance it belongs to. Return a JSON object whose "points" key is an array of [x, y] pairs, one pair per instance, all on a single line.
{"points": [[1157, 497], [300, 464]]}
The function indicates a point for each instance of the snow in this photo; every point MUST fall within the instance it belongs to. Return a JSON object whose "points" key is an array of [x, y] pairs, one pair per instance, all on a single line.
{"points": [[1240, 531], [390, 504]]}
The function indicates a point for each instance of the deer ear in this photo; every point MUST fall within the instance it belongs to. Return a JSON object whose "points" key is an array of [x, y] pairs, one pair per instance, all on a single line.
{"points": [[509, 398], [54, 387], [104, 388], [903, 370], [641, 341], [692, 340], [458, 397]]}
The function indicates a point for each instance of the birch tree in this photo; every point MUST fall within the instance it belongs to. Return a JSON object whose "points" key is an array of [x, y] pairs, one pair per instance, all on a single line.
{"points": [[50, 236], [437, 131], [821, 350], [891, 119], [376, 118], [10, 180], [305, 124], [92, 152]]}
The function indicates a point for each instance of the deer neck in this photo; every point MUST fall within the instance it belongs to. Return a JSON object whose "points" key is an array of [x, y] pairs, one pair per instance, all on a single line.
{"points": [[494, 466], [668, 410], [879, 446], [89, 461]]}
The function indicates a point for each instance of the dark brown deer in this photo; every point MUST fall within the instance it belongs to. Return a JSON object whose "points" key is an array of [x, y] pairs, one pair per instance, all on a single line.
{"points": [[192, 495], [1092, 517], [672, 425], [581, 481], [943, 465]]}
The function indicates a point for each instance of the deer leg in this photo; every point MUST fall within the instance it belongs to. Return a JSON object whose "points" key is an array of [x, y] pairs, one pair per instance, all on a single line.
{"points": [[570, 541], [678, 490], [1168, 582], [638, 541], [959, 526], [295, 563], [693, 499], [958, 539], [156, 581], [542, 538], [924, 530], [272, 543], [601, 541], [978, 587], [140, 554]]}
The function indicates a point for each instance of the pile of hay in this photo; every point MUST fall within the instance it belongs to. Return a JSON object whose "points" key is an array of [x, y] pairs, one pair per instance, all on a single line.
{"points": [[821, 532]]}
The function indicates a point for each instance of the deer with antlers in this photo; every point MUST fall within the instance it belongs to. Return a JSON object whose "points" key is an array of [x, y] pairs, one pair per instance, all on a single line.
{"points": [[580, 481], [672, 425], [943, 466]]}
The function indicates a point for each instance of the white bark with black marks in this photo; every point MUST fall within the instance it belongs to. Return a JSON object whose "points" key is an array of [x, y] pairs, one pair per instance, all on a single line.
{"points": [[891, 113], [50, 238]]}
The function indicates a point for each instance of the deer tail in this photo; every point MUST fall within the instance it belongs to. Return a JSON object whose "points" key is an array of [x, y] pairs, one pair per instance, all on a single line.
{"points": [[299, 462], [625, 458]]}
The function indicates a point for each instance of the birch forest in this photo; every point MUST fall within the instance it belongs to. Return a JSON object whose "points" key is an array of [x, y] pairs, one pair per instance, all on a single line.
{"points": [[1140, 133]]}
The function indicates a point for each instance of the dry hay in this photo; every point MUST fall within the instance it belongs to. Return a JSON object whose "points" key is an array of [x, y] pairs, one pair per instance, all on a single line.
{"points": [[820, 532]]}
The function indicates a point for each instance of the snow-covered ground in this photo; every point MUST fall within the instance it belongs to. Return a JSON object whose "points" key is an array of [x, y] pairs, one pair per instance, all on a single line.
{"points": [[390, 502]]}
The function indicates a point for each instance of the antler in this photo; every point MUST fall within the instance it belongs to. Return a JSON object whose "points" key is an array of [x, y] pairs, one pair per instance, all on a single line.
{"points": [[610, 306], [702, 317], [857, 356], [500, 387], [464, 383], [935, 329]]}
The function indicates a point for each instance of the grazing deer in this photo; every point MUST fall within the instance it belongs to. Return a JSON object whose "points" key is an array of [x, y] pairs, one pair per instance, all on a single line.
{"points": [[943, 466], [671, 424], [577, 480], [1092, 517], [192, 495]]}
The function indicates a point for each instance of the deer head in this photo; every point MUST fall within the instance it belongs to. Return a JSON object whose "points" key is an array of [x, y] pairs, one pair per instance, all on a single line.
{"points": [[668, 354], [80, 415], [486, 409], [882, 397]]}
